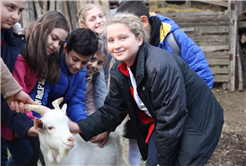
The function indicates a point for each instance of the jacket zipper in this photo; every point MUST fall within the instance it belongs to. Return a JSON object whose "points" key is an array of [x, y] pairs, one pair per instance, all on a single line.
{"points": [[67, 86]]}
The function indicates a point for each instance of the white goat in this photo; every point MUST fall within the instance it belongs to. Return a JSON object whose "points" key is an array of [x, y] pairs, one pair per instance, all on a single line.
{"points": [[60, 147]]}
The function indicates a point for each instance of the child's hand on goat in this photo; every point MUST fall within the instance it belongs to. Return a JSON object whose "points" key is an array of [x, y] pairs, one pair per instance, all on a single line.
{"points": [[101, 138]]}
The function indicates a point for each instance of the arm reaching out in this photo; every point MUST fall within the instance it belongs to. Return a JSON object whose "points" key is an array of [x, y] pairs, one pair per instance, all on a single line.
{"points": [[16, 101]]}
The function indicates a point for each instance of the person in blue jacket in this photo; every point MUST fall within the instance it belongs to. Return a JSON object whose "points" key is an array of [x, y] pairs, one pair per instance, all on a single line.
{"points": [[79, 49], [158, 27]]}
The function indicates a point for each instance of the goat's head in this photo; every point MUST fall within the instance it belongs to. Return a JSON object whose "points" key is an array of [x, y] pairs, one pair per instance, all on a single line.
{"points": [[55, 137]]}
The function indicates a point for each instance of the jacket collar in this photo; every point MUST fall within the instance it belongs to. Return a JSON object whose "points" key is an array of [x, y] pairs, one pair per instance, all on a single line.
{"points": [[138, 67]]}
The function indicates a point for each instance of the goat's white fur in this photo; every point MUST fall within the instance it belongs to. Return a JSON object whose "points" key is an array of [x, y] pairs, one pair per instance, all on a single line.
{"points": [[60, 147]]}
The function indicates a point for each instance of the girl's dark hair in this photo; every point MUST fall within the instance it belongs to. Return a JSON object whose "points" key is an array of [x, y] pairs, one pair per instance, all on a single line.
{"points": [[35, 49]]}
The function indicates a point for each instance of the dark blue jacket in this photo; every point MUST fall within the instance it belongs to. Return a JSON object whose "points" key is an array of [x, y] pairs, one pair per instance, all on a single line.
{"points": [[11, 47], [70, 86], [190, 52]]}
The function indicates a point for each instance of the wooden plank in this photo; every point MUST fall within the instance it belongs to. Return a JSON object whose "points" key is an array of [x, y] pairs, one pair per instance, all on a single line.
{"points": [[204, 24], [212, 29], [192, 14], [216, 55], [214, 48], [241, 24], [202, 19], [210, 38], [185, 29], [219, 70], [201, 30], [218, 61], [212, 43], [219, 3], [221, 78]]}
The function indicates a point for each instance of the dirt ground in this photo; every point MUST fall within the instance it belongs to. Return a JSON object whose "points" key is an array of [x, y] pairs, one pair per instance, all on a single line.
{"points": [[231, 149]]}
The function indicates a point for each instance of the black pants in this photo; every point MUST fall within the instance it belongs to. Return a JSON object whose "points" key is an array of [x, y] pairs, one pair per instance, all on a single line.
{"points": [[37, 154]]}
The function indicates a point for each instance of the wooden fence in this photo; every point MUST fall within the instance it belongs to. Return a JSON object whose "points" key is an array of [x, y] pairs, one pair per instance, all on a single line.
{"points": [[214, 32], [210, 31]]}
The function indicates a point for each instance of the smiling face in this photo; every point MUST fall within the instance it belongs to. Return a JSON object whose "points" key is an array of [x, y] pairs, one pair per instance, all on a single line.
{"points": [[11, 13], [74, 61], [55, 39], [95, 64], [95, 20], [122, 43]]}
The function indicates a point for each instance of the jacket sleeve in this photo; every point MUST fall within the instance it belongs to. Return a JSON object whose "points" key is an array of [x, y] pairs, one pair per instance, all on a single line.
{"points": [[194, 57], [9, 86], [100, 88], [169, 102], [40, 94], [76, 105], [107, 117], [17, 122]]}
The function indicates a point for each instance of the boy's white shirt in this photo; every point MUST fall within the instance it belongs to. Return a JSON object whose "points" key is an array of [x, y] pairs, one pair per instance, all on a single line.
{"points": [[139, 102]]}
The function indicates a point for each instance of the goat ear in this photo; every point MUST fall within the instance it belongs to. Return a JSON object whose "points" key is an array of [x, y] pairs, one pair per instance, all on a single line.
{"points": [[38, 124], [64, 108], [57, 102]]}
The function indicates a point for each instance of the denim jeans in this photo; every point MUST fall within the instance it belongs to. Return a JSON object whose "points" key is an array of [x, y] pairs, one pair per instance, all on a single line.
{"points": [[21, 152]]}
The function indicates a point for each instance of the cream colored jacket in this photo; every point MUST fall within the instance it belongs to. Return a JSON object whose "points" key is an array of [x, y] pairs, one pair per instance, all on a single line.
{"points": [[9, 86]]}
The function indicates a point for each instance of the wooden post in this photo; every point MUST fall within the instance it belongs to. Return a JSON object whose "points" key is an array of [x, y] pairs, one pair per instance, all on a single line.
{"points": [[233, 35], [67, 14], [45, 6], [240, 71], [188, 3], [73, 13], [38, 8], [52, 5]]}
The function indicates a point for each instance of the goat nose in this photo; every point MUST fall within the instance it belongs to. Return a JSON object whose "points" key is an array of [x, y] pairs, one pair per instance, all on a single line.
{"points": [[70, 139]]}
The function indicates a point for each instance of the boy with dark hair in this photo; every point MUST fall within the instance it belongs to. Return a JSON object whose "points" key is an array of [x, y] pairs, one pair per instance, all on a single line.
{"points": [[159, 28], [79, 49]]}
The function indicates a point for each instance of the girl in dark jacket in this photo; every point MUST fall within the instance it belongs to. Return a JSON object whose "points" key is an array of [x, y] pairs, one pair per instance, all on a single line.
{"points": [[175, 115]]}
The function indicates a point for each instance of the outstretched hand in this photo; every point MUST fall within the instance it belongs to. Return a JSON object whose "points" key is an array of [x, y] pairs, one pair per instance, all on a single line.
{"points": [[32, 132], [101, 138], [16, 102]]}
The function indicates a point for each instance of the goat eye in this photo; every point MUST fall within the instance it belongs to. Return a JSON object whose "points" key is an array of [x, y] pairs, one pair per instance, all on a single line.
{"points": [[50, 127]]}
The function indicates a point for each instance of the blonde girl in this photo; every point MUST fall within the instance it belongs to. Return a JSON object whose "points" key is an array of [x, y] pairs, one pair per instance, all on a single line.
{"points": [[173, 111], [92, 16]]}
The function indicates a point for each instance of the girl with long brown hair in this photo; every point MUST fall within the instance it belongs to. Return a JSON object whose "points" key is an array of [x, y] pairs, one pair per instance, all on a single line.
{"points": [[40, 59]]}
